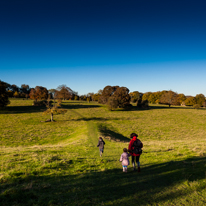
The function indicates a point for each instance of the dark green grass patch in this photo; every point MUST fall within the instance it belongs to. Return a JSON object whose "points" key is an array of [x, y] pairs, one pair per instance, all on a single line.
{"points": [[172, 182]]}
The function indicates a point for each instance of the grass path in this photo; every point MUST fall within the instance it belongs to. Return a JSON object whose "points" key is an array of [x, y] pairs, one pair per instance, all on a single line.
{"points": [[59, 164], [111, 151]]}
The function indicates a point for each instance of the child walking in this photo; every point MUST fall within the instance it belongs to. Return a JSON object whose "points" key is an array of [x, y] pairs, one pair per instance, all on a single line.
{"points": [[124, 159], [101, 144]]}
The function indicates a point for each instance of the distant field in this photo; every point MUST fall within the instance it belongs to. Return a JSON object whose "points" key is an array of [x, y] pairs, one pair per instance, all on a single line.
{"points": [[58, 163]]}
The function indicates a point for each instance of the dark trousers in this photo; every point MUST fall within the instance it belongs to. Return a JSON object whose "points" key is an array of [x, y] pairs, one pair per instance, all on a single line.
{"points": [[135, 159]]}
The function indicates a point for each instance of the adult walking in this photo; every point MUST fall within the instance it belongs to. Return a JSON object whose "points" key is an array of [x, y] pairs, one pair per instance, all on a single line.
{"points": [[135, 150]]}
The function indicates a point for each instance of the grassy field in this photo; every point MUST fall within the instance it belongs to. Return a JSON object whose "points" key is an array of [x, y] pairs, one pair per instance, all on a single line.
{"points": [[58, 163]]}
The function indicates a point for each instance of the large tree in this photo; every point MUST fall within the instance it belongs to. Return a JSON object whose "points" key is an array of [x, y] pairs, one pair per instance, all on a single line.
{"points": [[190, 101], [39, 93], [25, 89], [146, 96], [169, 98], [181, 98], [154, 97], [4, 97], [122, 96], [135, 96], [115, 96], [107, 92], [63, 92], [200, 98], [97, 95], [112, 103]]}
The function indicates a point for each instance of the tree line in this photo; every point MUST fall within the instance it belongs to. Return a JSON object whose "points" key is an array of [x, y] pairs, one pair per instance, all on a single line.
{"points": [[113, 96], [172, 98]]}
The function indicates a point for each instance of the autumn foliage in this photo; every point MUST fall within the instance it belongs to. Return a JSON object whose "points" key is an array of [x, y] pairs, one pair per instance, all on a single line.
{"points": [[53, 109], [39, 93], [169, 98], [63, 92]]}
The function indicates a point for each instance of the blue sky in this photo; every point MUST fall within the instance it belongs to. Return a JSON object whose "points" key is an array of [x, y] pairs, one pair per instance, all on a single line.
{"points": [[149, 45]]}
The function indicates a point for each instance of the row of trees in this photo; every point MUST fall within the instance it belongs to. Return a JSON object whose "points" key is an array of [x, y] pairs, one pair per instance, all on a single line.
{"points": [[38, 92], [173, 98], [18, 92], [62, 92], [113, 96]]}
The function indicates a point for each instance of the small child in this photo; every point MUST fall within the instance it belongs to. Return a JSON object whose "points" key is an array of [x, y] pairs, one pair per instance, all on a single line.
{"points": [[101, 144], [124, 159]]}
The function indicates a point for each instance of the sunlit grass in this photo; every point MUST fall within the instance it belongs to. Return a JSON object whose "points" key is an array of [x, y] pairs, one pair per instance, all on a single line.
{"points": [[58, 163]]}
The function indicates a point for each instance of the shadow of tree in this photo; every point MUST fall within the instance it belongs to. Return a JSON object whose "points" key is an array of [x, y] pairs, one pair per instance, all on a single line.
{"points": [[171, 107], [157, 184], [156, 107], [22, 109], [78, 106], [112, 134], [95, 119], [33, 109]]}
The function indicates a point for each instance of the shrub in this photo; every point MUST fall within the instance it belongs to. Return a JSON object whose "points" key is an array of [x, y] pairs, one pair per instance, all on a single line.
{"points": [[39, 103], [196, 106], [143, 104]]}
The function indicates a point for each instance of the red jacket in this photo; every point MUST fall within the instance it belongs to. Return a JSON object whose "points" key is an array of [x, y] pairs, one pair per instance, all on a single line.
{"points": [[130, 146]]}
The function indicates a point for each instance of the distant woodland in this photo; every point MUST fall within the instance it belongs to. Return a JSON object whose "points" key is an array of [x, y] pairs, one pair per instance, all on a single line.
{"points": [[114, 96]]}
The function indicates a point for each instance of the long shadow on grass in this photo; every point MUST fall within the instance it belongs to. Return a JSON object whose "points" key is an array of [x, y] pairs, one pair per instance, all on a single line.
{"points": [[106, 132], [95, 119], [22, 109], [134, 108], [156, 184], [78, 106], [167, 107], [33, 109]]}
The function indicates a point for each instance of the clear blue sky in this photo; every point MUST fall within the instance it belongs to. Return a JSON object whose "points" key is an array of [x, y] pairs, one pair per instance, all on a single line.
{"points": [[144, 45]]}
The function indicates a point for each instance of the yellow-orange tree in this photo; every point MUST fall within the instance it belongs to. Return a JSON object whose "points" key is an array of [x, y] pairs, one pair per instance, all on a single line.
{"points": [[38, 93], [53, 109]]}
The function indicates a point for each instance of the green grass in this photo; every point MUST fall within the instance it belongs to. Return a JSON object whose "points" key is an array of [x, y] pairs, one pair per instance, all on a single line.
{"points": [[58, 163]]}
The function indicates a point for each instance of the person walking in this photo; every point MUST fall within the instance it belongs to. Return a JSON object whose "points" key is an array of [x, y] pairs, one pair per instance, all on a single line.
{"points": [[124, 159], [135, 149], [101, 144]]}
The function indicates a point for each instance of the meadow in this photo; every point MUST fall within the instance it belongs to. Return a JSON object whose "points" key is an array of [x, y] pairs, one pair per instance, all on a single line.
{"points": [[58, 163]]}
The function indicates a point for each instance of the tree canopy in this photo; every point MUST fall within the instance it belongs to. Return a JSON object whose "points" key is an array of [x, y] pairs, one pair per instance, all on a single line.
{"points": [[200, 99], [135, 96], [181, 98], [190, 101], [39, 93], [169, 98], [4, 97], [115, 96], [122, 96], [107, 92], [63, 92]]}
